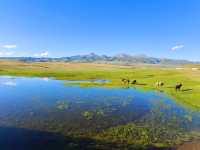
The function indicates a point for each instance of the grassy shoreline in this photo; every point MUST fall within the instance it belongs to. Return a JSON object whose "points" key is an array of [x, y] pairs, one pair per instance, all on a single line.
{"points": [[146, 75]]}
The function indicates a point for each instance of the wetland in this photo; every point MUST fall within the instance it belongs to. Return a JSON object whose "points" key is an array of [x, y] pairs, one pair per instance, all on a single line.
{"points": [[91, 117]]}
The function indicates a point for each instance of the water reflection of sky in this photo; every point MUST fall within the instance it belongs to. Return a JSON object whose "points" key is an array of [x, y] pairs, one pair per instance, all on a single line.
{"points": [[7, 81]]}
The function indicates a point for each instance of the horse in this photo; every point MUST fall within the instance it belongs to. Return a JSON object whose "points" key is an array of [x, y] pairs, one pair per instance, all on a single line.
{"points": [[134, 82], [125, 81], [159, 83], [178, 86]]}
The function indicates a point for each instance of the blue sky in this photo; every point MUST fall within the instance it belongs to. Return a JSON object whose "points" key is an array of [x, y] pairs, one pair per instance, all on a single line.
{"points": [[56, 28]]}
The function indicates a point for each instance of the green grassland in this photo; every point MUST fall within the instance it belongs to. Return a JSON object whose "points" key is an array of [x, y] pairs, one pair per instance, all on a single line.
{"points": [[146, 76]]}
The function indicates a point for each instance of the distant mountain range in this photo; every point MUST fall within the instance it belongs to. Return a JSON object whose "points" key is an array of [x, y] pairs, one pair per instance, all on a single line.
{"points": [[117, 59]]}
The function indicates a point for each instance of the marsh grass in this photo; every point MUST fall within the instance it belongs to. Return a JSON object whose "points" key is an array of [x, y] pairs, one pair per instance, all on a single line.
{"points": [[156, 129]]}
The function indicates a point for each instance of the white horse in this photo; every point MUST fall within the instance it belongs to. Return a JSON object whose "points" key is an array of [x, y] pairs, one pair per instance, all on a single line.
{"points": [[159, 83]]}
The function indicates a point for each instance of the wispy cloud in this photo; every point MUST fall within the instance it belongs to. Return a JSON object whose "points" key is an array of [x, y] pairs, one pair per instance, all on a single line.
{"points": [[6, 54], [43, 54], [9, 46], [177, 47]]}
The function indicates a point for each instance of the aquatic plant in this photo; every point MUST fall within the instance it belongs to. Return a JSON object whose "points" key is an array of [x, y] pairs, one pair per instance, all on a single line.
{"points": [[160, 127], [100, 112], [145, 135], [95, 113], [62, 105], [88, 115]]}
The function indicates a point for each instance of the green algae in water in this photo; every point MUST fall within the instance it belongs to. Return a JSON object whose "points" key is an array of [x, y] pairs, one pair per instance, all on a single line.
{"points": [[62, 105], [100, 113], [88, 115], [145, 135], [188, 117], [154, 128]]}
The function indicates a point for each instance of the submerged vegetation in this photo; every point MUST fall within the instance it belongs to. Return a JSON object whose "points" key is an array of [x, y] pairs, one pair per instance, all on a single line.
{"points": [[91, 114], [62, 105], [88, 115], [146, 136], [155, 129]]}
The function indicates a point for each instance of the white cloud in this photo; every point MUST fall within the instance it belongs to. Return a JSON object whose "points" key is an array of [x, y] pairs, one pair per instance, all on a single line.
{"points": [[5, 53], [43, 54], [9, 46], [177, 47]]}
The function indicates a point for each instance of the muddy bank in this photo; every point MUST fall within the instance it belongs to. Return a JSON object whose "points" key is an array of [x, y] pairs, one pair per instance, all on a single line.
{"points": [[194, 145]]}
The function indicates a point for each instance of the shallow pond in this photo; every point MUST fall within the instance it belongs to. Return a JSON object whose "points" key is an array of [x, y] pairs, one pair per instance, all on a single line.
{"points": [[48, 106]]}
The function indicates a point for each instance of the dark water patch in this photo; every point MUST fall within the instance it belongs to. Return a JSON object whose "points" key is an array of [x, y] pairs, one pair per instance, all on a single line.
{"points": [[26, 139]]}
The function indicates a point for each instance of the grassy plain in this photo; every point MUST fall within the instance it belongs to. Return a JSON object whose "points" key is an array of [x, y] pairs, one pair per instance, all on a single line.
{"points": [[146, 76]]}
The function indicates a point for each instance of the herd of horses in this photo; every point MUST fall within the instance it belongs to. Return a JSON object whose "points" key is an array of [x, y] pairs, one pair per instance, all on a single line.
{"points": [[158, 84]]}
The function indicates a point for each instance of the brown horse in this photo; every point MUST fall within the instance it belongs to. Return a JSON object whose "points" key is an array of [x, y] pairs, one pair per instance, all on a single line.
{"points": [[125, 81], [178, 86], [134, 82]]}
